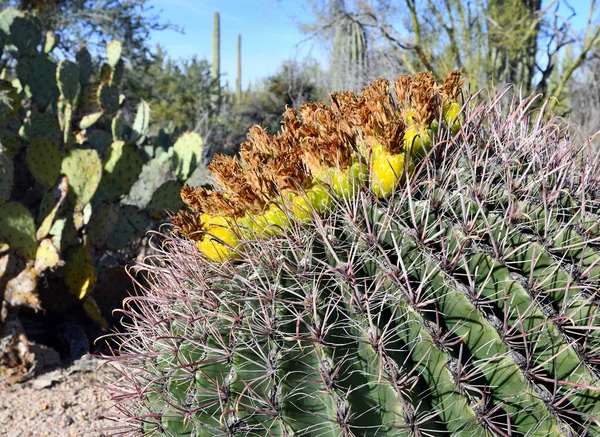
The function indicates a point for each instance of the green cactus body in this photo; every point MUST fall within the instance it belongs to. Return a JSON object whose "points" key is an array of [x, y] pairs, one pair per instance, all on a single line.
{"points": [[347, 279], [80, 276], [131, 223], [51, 40], [165, 200], [102, 224]]}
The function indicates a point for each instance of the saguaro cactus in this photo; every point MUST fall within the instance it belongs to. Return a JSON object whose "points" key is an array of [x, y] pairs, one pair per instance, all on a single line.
{"points": [[215, 71], [238, 82]]}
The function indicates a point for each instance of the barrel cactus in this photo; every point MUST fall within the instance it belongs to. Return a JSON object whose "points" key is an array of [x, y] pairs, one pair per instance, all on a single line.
{"points": [[392, 264]]}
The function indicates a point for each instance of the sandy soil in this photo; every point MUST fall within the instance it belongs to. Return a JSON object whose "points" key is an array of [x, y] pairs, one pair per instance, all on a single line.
{"points": [[60, 402]]}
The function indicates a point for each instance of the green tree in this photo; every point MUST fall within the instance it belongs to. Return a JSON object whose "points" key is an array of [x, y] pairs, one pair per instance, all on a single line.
{"points": [[178, 92], [96, 22], [494, 42]]}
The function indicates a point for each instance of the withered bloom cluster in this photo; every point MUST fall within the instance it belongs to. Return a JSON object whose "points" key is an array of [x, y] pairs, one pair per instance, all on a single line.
{"points": [[313, 139]]}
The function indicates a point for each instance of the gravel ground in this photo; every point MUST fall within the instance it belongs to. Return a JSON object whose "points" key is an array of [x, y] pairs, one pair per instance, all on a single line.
{"points": [[60, 402]]}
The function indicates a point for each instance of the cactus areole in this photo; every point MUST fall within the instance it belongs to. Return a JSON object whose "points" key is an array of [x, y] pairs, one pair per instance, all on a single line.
{"points": [[385, 265]]}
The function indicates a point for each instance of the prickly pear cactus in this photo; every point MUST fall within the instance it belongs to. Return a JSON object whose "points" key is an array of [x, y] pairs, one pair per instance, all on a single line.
{"points": [[388, 265], [69, 168]]}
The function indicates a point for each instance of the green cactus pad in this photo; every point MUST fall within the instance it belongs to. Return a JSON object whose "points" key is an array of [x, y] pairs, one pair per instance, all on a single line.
{"points": [[90, 119], [26, 33], [131, 224], [102, 223], [165, 200], [63, 233], [44, 160], [116, 76], [10, 143], [83, 167], [41, 126], [113, 52], [17, 228], [38, 77], [105, 73], [6, 176], [108, 98], [188, 153], [10, 102], [79, 273], [141, 123], [7, 17], [119, 127], [46, 257], [154, 173], [50, 41], [122, 166], [50, 207], [100, 140], [84, 60], [67, 78]]}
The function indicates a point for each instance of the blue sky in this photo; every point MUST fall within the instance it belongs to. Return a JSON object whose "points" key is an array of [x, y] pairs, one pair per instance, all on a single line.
{"points": [[269, 31]]}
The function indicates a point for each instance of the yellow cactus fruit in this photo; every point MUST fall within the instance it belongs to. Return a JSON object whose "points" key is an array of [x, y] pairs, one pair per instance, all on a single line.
{"points": [[275, 218], [346, 183], [214, 220], [213, 249], [418, 142], [301, 208], [387, 171], [319, 198], [452, 118]]}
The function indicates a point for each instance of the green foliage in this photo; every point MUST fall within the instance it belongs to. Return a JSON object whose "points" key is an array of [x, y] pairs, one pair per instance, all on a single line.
{"points": [[179, 93], [95, 22]]}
